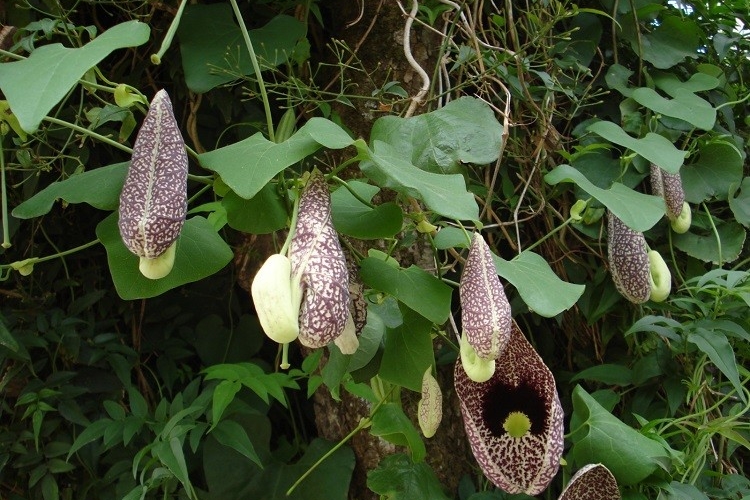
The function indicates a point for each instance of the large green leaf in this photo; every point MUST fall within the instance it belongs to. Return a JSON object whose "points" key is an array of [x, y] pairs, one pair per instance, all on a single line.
{"points": [[408, 351], [232, 434], [100, 188], [262, 214], [703, 244], [354, 218], [538, 285], [247, 166], [33, 86], [653, 147], [637, 210], [445, 194], [685, 106], [415, 287], [603, 438], [391, 423], [740, 202], [462, 131], [229, 475], [200, 253], [399, 478], [718, 167], [718, 349], [673, 40], [213, 51]]}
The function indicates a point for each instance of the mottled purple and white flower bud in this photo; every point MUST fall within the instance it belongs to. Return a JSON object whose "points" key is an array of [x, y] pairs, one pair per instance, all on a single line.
{"points": [[485, 310], [153, 202], [430, 407], [669, 187], [628, 260], [320, 266], [514, 421], [592, 482]]}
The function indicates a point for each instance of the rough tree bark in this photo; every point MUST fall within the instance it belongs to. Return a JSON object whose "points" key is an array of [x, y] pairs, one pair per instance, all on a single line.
{"points": [[374, 30]]}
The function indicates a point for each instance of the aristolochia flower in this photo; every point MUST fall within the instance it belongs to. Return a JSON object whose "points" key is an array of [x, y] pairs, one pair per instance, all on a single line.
{"points": [[628, 260], [153, 202], [592, 482], [514, 421], [669, 187], [319, 265], [485, 310], [430, 407], [277, 299]]}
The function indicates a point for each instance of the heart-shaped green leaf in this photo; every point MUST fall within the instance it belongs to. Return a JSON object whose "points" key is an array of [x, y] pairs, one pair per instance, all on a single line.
{"points": [[33, 86]]}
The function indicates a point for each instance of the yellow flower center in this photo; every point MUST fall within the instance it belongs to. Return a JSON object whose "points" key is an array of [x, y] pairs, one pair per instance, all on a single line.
{"points": [[517, 424]]}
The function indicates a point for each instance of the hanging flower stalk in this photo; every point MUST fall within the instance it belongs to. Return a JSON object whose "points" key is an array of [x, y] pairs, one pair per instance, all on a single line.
{"points": [[592, 482], [485, 312], [669, 187], [514, 421], [153, 202], [639, 274]]}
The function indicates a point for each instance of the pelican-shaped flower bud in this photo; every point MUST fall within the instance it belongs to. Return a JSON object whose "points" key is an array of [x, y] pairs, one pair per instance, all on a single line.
{"points": [[319, 266], [485, 312], [628, 260], [514, 420], [153, 202], [669, 187], [430, 407]]}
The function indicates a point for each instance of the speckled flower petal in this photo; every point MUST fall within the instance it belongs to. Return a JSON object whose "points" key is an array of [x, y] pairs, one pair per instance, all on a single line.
{"points": [[319, 264], [485, 310], [521, 384], [669, 187], [592, 482], [153, 202], [628, 260]]}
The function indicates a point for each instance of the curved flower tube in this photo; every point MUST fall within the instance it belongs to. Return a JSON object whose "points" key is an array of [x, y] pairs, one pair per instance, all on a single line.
{"points": [[628, 260], [514, 421], [153, 201], [592, 482], [319, 265], [485, 310]]}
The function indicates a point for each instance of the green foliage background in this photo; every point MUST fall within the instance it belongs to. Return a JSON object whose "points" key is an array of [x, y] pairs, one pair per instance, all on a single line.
{"points": [[115, 386]]}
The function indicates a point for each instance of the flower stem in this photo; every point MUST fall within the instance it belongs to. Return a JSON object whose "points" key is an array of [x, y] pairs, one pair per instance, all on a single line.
{"points": [[4, 197], [156, 58], [256, 67], [90, 133]]}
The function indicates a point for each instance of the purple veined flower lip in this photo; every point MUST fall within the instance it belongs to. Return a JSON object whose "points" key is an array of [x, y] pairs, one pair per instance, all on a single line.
{"points": [[153, 201], [628, 260], [319, 264], [514, 421], [592, 482], [485, 310]]}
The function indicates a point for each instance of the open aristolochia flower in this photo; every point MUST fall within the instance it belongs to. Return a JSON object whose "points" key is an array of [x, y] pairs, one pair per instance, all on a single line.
{"points": [[485, 312], [592, 482], [153, 202], [319, 266], [669, 187], [514, 421], [628, 260]]}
